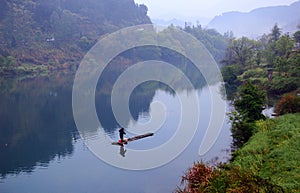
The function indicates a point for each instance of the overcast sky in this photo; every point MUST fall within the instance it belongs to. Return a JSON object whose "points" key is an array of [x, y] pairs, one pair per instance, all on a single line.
{"points": [[183, 9]]}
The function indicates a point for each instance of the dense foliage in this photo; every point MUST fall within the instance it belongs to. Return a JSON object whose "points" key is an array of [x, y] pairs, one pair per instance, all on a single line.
{"points": [[272, 62], [214, 42], [248, 104], [56, 34]]}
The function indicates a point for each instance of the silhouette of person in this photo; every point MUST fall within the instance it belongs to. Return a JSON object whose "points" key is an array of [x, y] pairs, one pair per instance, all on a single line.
{"points": [[122, 133]]}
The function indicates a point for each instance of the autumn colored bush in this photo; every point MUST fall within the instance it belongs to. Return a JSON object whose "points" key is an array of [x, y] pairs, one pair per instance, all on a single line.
{"points": [[198, 178], [289, 103], [202, 178]]}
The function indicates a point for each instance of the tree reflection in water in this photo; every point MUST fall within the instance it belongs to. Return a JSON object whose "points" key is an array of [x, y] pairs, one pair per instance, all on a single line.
{"points": [[36, 119]]}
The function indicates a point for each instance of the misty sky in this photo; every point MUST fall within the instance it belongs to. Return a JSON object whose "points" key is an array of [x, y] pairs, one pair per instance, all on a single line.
{"points": [[184, 9]]}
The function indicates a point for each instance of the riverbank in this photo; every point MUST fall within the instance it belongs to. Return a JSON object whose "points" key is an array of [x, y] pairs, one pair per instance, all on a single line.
{"points": [[268, 162]]}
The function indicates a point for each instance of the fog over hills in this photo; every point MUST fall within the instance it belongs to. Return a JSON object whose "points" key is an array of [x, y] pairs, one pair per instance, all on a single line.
{"points": [[182, 21], [258, 21]]}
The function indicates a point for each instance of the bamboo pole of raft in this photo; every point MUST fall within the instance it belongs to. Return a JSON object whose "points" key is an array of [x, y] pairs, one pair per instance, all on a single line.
{"points": [[140, 137], [133, 138]]}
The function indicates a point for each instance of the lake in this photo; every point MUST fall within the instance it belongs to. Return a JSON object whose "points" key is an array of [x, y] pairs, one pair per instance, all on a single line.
{"points": [[42, 151]]}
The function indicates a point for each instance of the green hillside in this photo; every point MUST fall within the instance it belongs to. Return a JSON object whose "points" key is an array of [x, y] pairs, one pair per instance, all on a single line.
{"points": [[46, 35]]}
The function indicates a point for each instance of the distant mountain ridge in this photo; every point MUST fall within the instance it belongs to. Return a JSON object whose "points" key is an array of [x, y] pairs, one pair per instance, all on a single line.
{"points": [[258, 21]]}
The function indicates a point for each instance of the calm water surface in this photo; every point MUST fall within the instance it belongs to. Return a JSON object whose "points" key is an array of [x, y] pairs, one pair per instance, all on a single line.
{"points": [[41, 150]]}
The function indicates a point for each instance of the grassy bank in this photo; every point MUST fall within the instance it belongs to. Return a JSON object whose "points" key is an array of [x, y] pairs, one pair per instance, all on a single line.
{"points": [[274, 152], [268, 162]]}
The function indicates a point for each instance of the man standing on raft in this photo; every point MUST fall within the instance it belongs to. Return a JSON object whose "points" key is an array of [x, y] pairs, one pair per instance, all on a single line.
{"points": [[121, 133]]}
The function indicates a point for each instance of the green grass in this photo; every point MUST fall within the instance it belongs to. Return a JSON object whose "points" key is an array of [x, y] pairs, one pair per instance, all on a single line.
{"points": [[274, 152], [268, 162]]}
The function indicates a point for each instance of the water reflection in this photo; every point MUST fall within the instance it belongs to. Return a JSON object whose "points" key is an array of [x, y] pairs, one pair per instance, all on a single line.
{"points": [[36, 120], [36, 123], [122, 150], [81, 171], [139, 102], [143, 94]]}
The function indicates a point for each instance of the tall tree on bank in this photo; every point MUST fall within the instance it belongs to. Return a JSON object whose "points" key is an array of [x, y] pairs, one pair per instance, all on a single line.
{"points": [[249, 105]]}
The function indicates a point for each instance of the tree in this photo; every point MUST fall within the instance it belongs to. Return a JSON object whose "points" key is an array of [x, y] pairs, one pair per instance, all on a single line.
{"points": [[297, 36], [230, 74], [283, 46], [241, 52], [248, 104], [278, 52], [275, 34], [278, 47]]}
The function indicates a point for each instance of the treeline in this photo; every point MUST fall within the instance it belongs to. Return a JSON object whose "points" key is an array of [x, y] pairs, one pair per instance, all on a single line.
{"points": [[271, 62], [214, 42], [62, 21], [39, 35]]}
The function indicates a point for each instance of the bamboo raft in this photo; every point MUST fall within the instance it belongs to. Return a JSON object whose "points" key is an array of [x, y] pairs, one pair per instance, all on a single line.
{"points": [[125, 141]]}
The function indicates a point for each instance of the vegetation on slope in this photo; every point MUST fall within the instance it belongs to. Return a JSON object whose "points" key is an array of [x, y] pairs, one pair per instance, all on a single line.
{"points": [[39, 36], [248, 104], [214, 42], [56, 34], [268, 156], [268, 162], [274, 152]]}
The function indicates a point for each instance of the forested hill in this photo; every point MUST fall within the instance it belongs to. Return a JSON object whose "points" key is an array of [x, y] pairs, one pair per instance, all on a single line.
{"points": [[59, 32]]}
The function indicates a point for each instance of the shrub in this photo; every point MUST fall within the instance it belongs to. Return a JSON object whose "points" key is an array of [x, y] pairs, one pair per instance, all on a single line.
{"points": [[282, 85], [230, 74], [241, 132], [254, 73], [200, 178], [250, 102], [289, 103], [205, 179]]}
